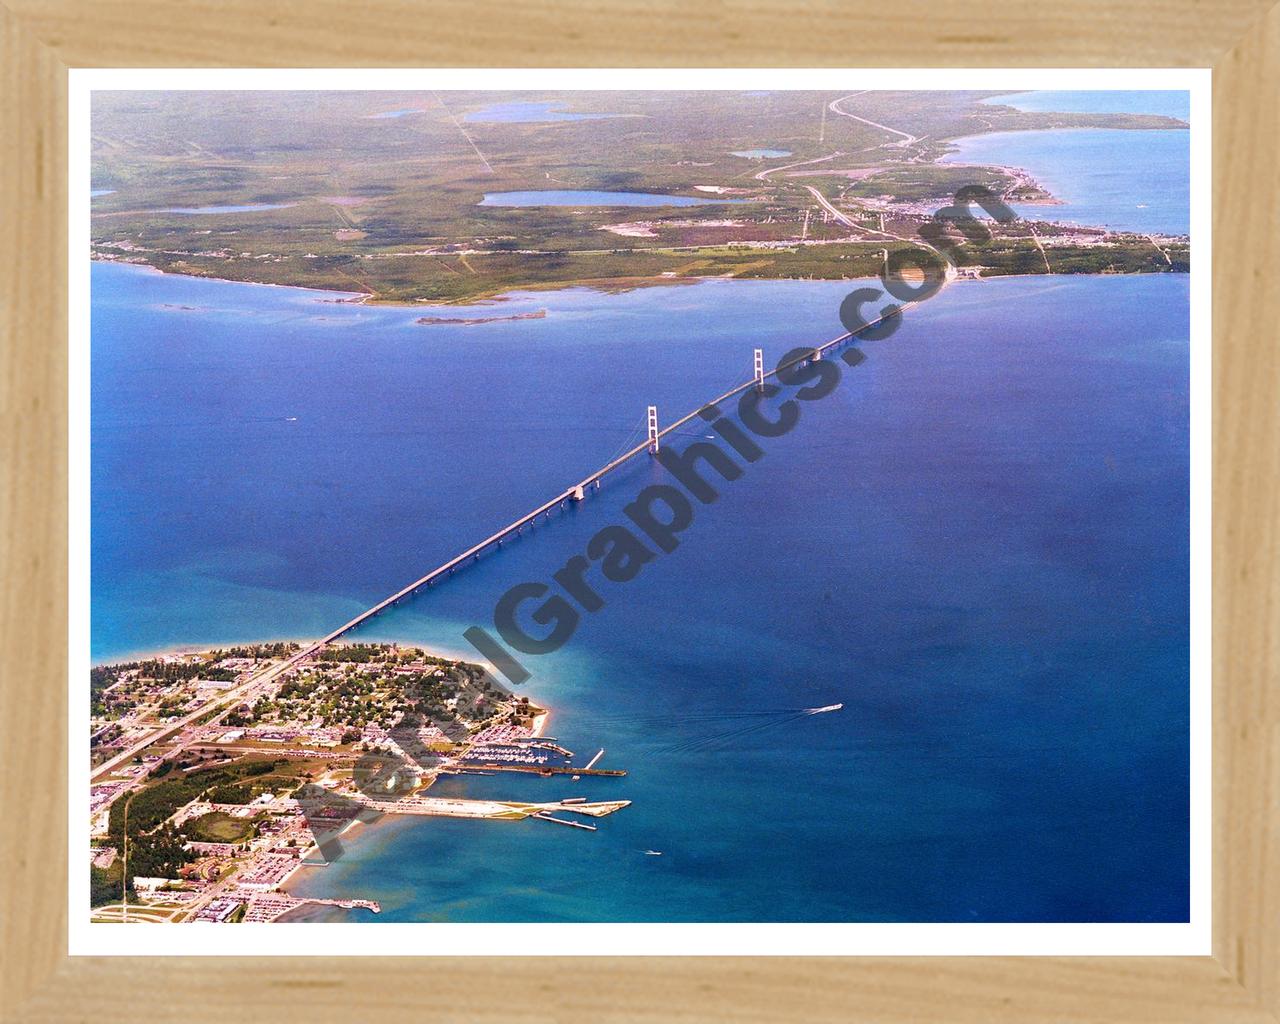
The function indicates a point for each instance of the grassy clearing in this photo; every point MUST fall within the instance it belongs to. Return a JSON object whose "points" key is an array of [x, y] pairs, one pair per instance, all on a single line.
{"points": [[219, 827]]}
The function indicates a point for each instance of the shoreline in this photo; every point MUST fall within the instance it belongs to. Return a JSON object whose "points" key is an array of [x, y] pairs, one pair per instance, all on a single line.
{"points": [[95, 258], [201, 647], [604, 286], [360, 831]]}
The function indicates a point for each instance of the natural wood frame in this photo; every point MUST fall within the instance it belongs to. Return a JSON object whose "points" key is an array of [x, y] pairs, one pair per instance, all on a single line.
{"points": [[40, 39]]}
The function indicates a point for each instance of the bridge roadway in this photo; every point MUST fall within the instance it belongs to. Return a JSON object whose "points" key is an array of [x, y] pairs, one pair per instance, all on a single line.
{"points": [[236, 695]]}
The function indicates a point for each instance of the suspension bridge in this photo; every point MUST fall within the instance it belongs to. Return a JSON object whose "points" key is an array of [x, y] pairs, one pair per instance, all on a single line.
{"points": [[578, 491], [575, 493]]}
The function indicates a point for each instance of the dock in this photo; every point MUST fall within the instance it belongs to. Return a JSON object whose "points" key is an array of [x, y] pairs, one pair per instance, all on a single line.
{"points": [[566, 821], [545, 769], [502, 810]]}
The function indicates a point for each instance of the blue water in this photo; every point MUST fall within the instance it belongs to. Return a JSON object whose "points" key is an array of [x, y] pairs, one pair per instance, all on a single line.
{"points": [[93, 194], [1126, 180], [553, 197], [755, 154], [528, 112], [1170, 103], [249, 208], [389, 114], [978, 544]]}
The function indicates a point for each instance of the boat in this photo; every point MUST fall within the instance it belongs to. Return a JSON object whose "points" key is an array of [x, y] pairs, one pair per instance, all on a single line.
{"points": [[653, 853]]}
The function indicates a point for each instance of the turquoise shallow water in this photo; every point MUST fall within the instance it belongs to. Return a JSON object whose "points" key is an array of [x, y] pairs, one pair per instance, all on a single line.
{"points": [[978, 544]]}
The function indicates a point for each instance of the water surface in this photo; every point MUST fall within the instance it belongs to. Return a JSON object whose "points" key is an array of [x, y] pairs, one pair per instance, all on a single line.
{"points": [[248, 208], [1125, 180], [978, 544], [528, 112], [1168, 102], [553, 197]]}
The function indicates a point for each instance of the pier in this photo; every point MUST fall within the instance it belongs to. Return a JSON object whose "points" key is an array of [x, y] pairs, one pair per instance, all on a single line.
{"points": [[543, 769], [501, 810], [566, 821]]}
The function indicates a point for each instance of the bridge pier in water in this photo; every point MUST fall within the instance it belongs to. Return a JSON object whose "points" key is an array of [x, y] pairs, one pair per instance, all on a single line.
{"points": [[653, 430]]}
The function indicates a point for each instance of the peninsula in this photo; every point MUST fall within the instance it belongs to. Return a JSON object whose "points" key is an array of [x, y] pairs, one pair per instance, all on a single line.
{"points": [[217, 775], [458, 203]]}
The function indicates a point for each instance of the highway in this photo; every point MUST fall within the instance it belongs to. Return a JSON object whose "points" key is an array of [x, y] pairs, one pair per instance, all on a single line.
{"points": [[764, 175], [847, 222], [837, 214], [834, 107], [223, 701]]}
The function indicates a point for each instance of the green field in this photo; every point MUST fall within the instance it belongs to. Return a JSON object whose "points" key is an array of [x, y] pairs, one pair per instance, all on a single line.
{"points": [[219, 827]]}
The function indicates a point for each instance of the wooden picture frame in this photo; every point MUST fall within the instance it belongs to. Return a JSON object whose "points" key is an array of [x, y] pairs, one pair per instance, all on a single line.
{"points": [[42, 39]]}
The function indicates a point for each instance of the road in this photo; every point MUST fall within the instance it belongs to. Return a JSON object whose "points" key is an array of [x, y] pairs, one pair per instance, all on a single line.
{"points": [[225, 701], [837, 214], [845, 220], [1043, 255], [834, 107], [1161, 251], [764, 175]]}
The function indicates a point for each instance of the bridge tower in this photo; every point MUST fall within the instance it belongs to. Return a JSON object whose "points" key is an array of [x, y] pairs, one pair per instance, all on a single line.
{"points": [[653, 430], [759, 369]]}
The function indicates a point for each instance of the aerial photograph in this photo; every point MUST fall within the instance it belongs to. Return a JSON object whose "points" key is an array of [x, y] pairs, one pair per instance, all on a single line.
{"points": [[610, 506]]}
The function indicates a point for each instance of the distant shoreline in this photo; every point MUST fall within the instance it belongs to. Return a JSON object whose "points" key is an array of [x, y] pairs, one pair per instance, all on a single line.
{"points": [[601, 285]]}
